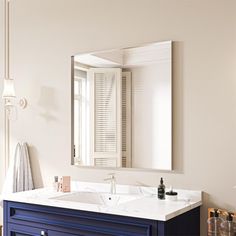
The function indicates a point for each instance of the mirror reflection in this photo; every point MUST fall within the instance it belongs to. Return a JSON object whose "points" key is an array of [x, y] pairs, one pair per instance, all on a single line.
{"points": [[122, 108]]}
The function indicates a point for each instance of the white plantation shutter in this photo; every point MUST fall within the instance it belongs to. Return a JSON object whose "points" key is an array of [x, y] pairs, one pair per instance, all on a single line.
{"points": [[105, 116], [105, 112], [126, 119]]}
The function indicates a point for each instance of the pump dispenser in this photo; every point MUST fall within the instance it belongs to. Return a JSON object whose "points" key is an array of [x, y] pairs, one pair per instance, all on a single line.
{"points": [[214, 223], [228, 227], [161, 190]]}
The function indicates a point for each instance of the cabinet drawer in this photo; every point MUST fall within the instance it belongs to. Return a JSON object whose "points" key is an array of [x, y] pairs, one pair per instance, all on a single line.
{"points": [[86, 223], [22, 230]]}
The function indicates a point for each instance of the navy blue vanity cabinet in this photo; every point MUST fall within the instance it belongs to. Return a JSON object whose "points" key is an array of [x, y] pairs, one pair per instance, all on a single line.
{"points": [[22, 219]]}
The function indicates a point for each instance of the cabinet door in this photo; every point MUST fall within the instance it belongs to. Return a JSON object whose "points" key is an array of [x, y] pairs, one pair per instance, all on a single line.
{"points": [[22, 230]]}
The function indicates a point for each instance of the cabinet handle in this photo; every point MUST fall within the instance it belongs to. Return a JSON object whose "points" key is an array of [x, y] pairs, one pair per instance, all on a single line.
{"points": [[43, 233]]}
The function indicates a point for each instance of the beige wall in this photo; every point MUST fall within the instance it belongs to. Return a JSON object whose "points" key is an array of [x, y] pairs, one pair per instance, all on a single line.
{"points": [[45, 35]]}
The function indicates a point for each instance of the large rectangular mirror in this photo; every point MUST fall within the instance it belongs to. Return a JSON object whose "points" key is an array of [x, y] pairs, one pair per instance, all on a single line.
{"points": [[122, 108]]}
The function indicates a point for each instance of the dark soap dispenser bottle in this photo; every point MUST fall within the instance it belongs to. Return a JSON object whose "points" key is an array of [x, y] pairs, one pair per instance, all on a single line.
{"points": [[161, 190]]}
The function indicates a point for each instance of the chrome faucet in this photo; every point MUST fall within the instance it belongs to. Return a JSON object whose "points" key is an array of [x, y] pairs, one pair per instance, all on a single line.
{"points": [[112, 180]]}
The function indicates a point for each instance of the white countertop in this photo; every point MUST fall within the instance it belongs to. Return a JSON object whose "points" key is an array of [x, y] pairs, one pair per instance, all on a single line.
{"points": [[146, 206]]}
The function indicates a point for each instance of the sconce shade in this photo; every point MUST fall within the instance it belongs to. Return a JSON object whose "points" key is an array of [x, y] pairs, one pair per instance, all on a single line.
{"points": [[8, 89]]}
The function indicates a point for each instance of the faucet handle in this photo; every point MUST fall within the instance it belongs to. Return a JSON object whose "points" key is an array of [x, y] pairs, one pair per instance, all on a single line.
{"points": [[112, 175]]}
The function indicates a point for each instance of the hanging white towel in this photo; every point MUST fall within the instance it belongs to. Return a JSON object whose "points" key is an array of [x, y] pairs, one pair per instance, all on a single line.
{"points": [[19, 176], [28, 180], [18, 171]]}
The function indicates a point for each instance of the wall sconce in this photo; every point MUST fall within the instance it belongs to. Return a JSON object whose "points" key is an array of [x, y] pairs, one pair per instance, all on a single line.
{"points": [[9, 94], [10, 97], [8, 88]]}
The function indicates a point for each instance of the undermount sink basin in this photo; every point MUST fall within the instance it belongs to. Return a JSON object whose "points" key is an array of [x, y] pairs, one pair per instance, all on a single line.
{"points": [[98, 198]]}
